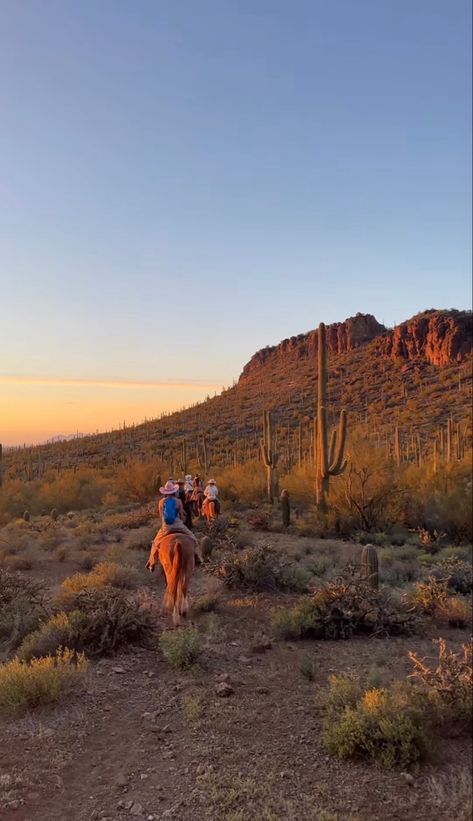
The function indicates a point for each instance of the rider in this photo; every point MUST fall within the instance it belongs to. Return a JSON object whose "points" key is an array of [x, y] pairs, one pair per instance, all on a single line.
{"points": [[197, 494], [211, 494], [184, 497], [175, 526]]}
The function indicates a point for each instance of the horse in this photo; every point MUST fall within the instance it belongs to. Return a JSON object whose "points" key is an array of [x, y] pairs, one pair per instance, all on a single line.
{"points": [[209, 510], [177, 558]]}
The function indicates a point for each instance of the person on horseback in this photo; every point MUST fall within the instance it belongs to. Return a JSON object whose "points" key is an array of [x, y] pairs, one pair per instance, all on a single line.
{"points": [[211, 495], [197, 495], [172, 515]]}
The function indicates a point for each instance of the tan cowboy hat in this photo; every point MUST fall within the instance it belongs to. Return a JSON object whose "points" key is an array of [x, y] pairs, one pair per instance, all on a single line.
{"points": [[169, 488], [211, 482]]}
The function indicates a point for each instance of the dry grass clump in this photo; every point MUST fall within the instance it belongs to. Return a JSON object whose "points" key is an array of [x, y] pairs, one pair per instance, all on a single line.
{"points": [[102, 622], [207, 603], [26, 686], [448, 684], [258, 569], [181, 647], [104, 574], [21, 607], [454, 790], [342, 609], [431, 597]]}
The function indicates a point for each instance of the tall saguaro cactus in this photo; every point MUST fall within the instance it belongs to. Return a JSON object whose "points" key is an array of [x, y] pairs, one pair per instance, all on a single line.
{"points": [[270, 458], [330, 457]]}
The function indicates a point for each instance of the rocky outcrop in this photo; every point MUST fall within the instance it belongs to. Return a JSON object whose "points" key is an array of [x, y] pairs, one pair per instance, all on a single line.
{"points": [[341, 337], [439, 337]]}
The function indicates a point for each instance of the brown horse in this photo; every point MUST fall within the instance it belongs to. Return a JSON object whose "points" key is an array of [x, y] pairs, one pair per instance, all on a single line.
{"points": [[177, 556], [209, 510]]}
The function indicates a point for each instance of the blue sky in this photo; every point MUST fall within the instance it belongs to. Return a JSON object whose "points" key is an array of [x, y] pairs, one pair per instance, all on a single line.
{"points": [[182, 183]]}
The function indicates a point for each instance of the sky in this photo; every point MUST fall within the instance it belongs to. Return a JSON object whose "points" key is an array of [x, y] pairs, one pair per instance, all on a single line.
{"points": [[183, 183]]}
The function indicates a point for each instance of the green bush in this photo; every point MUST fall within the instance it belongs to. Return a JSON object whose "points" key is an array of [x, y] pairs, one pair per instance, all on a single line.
{"points": [[389, 726], [180, 647]]}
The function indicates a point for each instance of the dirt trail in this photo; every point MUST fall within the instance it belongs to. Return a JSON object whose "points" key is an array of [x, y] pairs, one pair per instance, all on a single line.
{"points": [[144, 741]]}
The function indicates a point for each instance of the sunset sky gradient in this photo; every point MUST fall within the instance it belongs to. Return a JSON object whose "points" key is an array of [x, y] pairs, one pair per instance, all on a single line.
{"points": [[184, 183]]}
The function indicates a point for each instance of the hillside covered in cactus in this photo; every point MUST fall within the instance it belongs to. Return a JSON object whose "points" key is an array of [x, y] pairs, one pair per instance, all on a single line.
{"points": [[410, 386]]}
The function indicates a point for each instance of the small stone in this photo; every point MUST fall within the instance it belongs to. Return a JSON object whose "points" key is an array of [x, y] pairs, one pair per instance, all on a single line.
{"points": [[409, 779], [261, 647], [118, 670], [144, 776], [167, 729], [245, 660], [122, 780], [224, 689], [137, 809], [5, 780]]}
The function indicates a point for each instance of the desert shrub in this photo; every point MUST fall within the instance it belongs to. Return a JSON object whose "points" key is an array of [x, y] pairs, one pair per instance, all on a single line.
{"points": [[447, 684], [259, 520], [206, 603], [369, 494], [440, 501], [428, 596], [127, 520], [389, 725], [103, 575], [21, 607], [136, 481], [456, 611], [258, 569], [103, 622], [245, 484], [181, 648], [341, 609], [26, 686], [307, 667], [457, 574], [18, 563]]}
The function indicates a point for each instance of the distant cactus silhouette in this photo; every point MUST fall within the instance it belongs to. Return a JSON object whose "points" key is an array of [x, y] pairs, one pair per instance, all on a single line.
{"points": [[270, 458], [369, 559], [330, 458]]}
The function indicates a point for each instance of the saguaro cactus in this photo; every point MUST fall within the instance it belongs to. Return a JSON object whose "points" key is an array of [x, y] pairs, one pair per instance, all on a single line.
{"points": [[330, 458], [285, 508], [369, 560], [270, 458]]}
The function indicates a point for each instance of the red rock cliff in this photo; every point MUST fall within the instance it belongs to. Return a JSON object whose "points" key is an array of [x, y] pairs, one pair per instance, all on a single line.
{"points": [[440, 337], [341, 337]]}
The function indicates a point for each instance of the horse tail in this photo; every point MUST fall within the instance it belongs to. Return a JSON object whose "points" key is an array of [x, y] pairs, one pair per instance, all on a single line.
{"points": [[173, 581]]}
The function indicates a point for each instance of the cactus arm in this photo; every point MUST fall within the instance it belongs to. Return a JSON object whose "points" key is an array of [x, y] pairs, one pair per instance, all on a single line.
{"points": [[336, 466], [333, 445]]}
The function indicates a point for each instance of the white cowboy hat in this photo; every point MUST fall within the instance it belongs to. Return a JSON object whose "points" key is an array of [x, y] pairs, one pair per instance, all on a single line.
{"points": [[169, 488], [211, 482]]}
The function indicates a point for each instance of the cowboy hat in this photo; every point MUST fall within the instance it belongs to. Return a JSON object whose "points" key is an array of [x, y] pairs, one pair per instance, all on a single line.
{"points": [[169, 488], [211, 482]]}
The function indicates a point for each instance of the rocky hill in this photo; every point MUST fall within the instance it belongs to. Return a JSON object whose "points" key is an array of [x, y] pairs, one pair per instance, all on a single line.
{"points": [[415, 375]]}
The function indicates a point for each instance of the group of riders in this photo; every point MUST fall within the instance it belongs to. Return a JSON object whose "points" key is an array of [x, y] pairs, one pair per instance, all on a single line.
{"points": [[181, 500]]}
